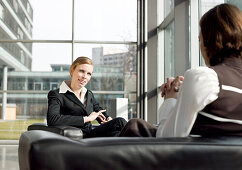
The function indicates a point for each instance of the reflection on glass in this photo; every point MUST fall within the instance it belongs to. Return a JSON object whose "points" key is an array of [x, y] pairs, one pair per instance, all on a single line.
{"points": [[169, 50], [107, 20]]}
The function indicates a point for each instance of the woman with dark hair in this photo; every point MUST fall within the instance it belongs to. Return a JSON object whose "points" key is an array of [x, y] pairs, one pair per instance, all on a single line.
{"points": [[74, 105], [207, 101]]}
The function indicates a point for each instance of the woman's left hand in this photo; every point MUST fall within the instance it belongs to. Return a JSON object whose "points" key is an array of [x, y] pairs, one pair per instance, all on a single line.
{"points": [[109, 118], [104, 120]]}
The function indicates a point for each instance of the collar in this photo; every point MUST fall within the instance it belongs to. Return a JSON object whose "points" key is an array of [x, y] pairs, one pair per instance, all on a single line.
{"points": [[233, 62], [65, 86]]}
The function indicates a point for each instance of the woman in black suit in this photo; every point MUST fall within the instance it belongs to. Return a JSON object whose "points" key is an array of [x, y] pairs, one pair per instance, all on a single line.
{"points": [[74, 105]]}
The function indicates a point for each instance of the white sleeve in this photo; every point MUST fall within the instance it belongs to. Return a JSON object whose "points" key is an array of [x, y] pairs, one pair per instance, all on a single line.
{"points": [[200, 87]]}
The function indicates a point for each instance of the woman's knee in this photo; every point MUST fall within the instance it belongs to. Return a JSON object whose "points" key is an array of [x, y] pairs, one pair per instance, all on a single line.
{"points": [[120, 119], [135, 121]]}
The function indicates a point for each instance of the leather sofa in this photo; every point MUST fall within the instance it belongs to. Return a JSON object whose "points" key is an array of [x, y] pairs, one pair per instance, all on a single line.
{"points": [[45, 150]]}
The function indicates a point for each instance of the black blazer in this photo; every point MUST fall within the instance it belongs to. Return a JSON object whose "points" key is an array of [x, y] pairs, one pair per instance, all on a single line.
{"points": [[67, 109]]}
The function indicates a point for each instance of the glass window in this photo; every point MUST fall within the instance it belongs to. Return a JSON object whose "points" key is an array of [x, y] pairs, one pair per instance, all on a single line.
{"points": [[54, 86], [28, 8], [1, 11], [169, 50], [237, 3], [52, 19], [20, 33], [35, 67], [108, 20], [47, 55], [15, 5], [168, 6]]}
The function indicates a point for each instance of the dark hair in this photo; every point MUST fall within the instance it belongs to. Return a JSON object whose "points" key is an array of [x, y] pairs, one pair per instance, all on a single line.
{"points": [[221, 29], [79, 61]]}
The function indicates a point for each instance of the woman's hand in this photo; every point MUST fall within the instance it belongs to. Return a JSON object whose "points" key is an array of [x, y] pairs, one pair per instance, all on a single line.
{"points": [[171, 87], [109, 118], [94, 115], [166, 86], [103, 119]]}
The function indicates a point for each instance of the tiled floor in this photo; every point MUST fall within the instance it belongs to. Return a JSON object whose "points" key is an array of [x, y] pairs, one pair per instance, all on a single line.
{"points": [[9, 155]]}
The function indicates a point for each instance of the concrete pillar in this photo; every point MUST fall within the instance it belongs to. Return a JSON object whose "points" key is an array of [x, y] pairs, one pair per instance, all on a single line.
{"points": [[119, 108], [5, 85]]}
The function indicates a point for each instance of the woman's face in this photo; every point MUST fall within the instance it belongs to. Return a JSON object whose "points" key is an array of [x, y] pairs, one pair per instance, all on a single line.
{"points": [[203, 50], [81, 75]]}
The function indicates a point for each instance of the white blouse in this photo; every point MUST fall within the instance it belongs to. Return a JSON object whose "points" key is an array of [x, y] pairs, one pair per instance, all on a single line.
{"points": [[200, 87], [65, 86]]}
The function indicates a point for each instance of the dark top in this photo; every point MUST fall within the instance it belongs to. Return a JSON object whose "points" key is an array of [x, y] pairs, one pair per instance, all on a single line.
{"points": [[67, 109], [228, 105]]}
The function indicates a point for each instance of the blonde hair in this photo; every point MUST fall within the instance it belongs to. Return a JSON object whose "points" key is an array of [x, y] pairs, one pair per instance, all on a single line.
{"points": [[79, 61]]}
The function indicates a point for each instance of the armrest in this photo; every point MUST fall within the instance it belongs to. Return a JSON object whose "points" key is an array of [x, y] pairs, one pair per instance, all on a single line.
{"points": [[68, 131]]}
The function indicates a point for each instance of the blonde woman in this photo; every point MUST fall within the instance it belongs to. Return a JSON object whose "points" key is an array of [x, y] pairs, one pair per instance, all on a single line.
{"points": [[74, 105]]}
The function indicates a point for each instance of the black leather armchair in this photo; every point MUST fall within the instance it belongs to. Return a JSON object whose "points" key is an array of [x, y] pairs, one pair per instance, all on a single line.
{"points": [[68, 131], [40, 150]]}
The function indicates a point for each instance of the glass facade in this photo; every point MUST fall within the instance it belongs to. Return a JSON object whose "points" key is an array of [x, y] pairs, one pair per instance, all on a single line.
{"points": [[39, 41]]}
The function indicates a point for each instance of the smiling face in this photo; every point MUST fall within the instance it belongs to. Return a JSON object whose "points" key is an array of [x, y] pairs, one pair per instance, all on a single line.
{"points": [[81, 75]]}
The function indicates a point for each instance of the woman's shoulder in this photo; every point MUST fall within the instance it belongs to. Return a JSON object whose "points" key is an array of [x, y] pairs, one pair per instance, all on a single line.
{"points": [[89, 92], [53, 92], [200, 72], [201, 85]]}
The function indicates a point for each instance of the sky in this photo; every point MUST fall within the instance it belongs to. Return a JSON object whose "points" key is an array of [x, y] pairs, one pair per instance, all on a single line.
{"points": [[95, 20]]}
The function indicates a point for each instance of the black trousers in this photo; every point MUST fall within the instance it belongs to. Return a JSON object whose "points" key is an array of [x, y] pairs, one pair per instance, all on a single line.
{"points": [[108, 129], [138, 128]]}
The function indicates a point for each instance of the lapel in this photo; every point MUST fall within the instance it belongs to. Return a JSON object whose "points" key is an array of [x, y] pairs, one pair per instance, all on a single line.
{"points": [[89, 109], [73, 98]]}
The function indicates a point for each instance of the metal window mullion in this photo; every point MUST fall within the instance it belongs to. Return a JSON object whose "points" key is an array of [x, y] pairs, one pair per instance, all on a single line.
{"points": [[145, 78], [194, 27], [65, 41], [138, 83], [4, 94], [73, 35], [46, 91], [167, 20], [142, 61]]}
